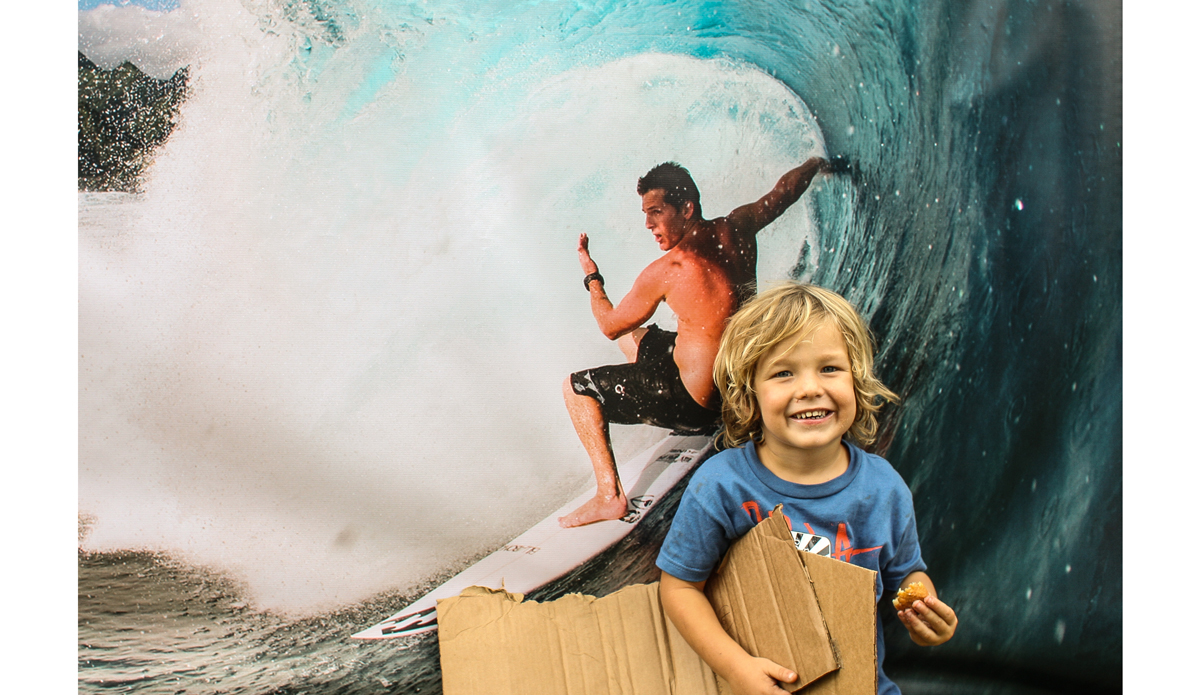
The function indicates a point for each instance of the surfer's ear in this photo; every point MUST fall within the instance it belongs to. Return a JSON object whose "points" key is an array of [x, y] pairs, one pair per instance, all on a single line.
{"points": [[689, 209]]}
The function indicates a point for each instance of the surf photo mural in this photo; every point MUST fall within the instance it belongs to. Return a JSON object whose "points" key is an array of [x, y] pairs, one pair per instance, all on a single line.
{"points": [[338, 268]]}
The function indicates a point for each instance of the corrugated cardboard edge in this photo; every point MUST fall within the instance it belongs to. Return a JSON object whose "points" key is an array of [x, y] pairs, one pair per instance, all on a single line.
{"points": [[621, 644], [766, 601]]}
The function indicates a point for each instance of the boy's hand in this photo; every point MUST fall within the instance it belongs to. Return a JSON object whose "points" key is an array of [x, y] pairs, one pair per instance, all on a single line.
{"points": [[688, 608], [929, 621], [758, 676]]}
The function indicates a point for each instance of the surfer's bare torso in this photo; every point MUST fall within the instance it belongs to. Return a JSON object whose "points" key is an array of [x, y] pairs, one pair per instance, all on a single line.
{"points": [[699, 279]]}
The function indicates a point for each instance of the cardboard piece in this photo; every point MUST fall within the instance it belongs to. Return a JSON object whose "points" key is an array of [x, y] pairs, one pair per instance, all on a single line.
{"points": [[846, 593], [766, 601], [491, 641], [809, 612]]}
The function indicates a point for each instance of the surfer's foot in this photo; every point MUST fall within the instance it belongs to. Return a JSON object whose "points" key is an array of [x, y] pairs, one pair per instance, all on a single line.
{"points": [[596, 509]]}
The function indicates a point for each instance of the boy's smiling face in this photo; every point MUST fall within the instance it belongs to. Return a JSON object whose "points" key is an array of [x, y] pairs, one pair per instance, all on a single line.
{"points": [[805, 393]]}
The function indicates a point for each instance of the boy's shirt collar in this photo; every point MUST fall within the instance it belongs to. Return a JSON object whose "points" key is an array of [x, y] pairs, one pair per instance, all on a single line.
{"points": [[798, 490]]}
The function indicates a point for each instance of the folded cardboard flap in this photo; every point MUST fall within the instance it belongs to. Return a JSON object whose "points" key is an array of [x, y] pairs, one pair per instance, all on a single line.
{"points": [[846, 593], [766, 602], [779, 607]]}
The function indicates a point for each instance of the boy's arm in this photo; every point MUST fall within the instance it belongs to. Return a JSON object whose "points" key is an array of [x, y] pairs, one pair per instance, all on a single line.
{"points": [[689, 609], [929, 621]]}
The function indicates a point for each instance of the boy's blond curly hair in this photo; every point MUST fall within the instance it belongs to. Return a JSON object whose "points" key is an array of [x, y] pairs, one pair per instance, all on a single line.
{"points": [[791, 311]]}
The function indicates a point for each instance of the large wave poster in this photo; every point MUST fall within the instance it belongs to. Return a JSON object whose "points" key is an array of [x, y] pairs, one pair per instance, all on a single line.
{"points": [[324, 330]]}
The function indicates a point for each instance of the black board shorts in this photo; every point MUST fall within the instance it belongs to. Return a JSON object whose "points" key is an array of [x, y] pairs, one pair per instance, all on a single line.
{"points": [[649, 391]]}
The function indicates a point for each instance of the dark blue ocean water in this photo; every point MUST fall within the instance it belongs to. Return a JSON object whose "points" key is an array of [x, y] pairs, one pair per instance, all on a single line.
{"points": [[980, 233]]}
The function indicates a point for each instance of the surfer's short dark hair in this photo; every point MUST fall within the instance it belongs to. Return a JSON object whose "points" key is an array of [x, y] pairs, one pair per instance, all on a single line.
{"points": [[791, 312], [676, 183]]}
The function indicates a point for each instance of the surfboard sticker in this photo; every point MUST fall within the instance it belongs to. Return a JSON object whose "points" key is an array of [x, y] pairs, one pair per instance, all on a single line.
{"points": [[547, 551]]}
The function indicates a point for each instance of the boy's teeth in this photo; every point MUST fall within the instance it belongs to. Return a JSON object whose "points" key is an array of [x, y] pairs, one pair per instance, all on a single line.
{"points": [[813, 414]]}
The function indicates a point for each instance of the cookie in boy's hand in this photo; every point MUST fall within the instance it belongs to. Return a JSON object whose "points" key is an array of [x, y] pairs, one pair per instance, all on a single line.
{"points": [[909, 594]]}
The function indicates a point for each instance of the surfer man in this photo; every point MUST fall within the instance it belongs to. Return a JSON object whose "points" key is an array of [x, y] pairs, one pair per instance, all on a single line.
{"points": [[708, 270]]}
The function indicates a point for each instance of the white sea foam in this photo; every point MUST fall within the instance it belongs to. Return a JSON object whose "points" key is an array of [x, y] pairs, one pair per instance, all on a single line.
{"points": [[324, 350]]}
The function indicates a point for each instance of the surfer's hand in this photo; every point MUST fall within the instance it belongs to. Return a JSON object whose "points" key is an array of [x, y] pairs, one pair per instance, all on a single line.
{"points": [[758, 676], [585, 258], [837, 164]]}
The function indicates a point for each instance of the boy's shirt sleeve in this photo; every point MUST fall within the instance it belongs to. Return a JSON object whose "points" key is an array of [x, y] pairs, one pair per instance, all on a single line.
{"points": [[702, 529], [906, 555]]}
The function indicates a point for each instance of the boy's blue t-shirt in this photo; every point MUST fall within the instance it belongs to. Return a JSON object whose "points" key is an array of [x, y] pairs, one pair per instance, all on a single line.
{"points": [[864, 517]]}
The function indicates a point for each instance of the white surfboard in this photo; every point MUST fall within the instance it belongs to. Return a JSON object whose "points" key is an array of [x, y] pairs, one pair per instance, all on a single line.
{"points": [[547, 551]]}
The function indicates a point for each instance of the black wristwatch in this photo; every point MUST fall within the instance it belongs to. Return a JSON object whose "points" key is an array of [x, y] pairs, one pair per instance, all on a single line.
{"points": [[592, 276]]}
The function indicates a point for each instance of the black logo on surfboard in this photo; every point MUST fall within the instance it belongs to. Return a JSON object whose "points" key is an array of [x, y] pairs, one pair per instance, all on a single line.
{"points": [[413, 622], [637, 507]]}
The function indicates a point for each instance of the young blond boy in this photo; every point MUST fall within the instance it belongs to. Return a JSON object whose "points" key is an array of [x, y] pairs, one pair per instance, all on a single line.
{"points": [[795, 370]]}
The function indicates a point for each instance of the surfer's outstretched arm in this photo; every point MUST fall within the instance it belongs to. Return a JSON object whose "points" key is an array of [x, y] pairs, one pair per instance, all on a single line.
{"points": [[749, 219], [634, 309], [689, 609]]}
